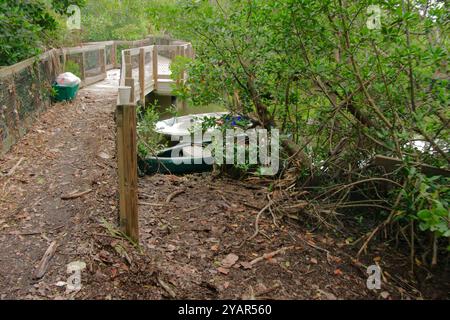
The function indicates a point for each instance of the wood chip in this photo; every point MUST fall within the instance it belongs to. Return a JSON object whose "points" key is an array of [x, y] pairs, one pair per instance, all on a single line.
{"points": [[75, 195], [223, 270], [13, 169], [229, 260], [44, 263], [174, 194], [166, 287], [270, 255]]}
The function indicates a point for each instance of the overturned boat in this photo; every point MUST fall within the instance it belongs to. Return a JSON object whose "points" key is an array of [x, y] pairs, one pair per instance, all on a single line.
{"points": [[178, 127], [180, 159]]}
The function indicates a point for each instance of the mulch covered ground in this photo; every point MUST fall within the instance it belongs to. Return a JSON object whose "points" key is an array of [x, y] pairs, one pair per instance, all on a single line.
{"points": [[193, 228]]}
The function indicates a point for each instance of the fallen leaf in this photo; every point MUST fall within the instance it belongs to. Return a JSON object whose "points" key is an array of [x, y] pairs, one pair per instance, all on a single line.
{"points": [[215, 247], [246, 265], [171, 247], [338, 272], [104, 155], [327, 294], [385, 294], [336, 259], [314, 260], [113, 273], [229, 260], [223, 270]]}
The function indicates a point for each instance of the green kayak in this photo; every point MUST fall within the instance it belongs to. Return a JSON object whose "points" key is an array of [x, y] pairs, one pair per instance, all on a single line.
{"points": [[180, 159]]}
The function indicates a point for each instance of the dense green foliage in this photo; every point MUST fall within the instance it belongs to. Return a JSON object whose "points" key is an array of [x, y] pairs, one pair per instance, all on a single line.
{"points": [[28, 27], [344, 90], [149, 143], [115, 20]]}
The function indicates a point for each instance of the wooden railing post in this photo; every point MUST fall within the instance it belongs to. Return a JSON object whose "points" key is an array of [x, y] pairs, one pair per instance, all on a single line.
{"points": [[102, 60], [114, 55], [155, 67], [142, 74], [82, 67], [129, 81], [127, 170], [128, 65]]}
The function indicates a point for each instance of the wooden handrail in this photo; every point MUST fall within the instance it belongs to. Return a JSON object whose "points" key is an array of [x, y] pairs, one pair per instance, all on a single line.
{"points": [[150, 82], [99, 46]]}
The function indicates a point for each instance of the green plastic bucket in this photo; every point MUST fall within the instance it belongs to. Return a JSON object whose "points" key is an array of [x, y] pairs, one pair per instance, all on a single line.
{"points": [[65, 93]]}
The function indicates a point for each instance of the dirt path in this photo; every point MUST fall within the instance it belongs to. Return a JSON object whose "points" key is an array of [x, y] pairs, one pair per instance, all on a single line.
{"points": [[190, 247], [69, 149]]}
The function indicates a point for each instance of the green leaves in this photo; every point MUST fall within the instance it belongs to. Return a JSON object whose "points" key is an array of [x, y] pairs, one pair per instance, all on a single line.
{"points": [[27, 27], [116, 20], [427, 200]]}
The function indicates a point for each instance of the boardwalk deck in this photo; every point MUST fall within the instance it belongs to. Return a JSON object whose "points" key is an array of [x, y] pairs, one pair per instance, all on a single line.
{"points": [[112, 81]]}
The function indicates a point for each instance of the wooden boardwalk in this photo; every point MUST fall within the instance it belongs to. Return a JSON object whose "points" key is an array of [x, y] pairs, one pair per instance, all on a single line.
{"points": [[147, 69], [112, 81]]}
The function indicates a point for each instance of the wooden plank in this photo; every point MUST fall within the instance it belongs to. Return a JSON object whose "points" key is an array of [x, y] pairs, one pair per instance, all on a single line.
{"points": [[91, 80], [122, 69], [128, 65], [391, 164], [155, 67], [114, 54], [142, 75], [93, 43], [102, 59], [15, 68], [77, 50], [129, 82], [127, 167]]}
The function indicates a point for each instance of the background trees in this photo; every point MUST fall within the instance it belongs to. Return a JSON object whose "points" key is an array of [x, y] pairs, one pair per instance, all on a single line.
{"points": [[115, 20], [27, 27]]}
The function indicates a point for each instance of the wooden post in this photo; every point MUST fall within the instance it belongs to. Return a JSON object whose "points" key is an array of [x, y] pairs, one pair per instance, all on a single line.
{"points": [[127, 170], [102, 60], [155, 67], [114, 55], [129, 82], [142, 74], [128, 65], [82, 70]]}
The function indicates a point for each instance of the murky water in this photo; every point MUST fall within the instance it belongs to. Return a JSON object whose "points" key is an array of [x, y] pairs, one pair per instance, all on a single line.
{"points": [[168, 107]]}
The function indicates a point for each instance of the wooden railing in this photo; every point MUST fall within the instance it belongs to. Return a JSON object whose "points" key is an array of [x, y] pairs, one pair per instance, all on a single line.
{"points": [[146, 69]]}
